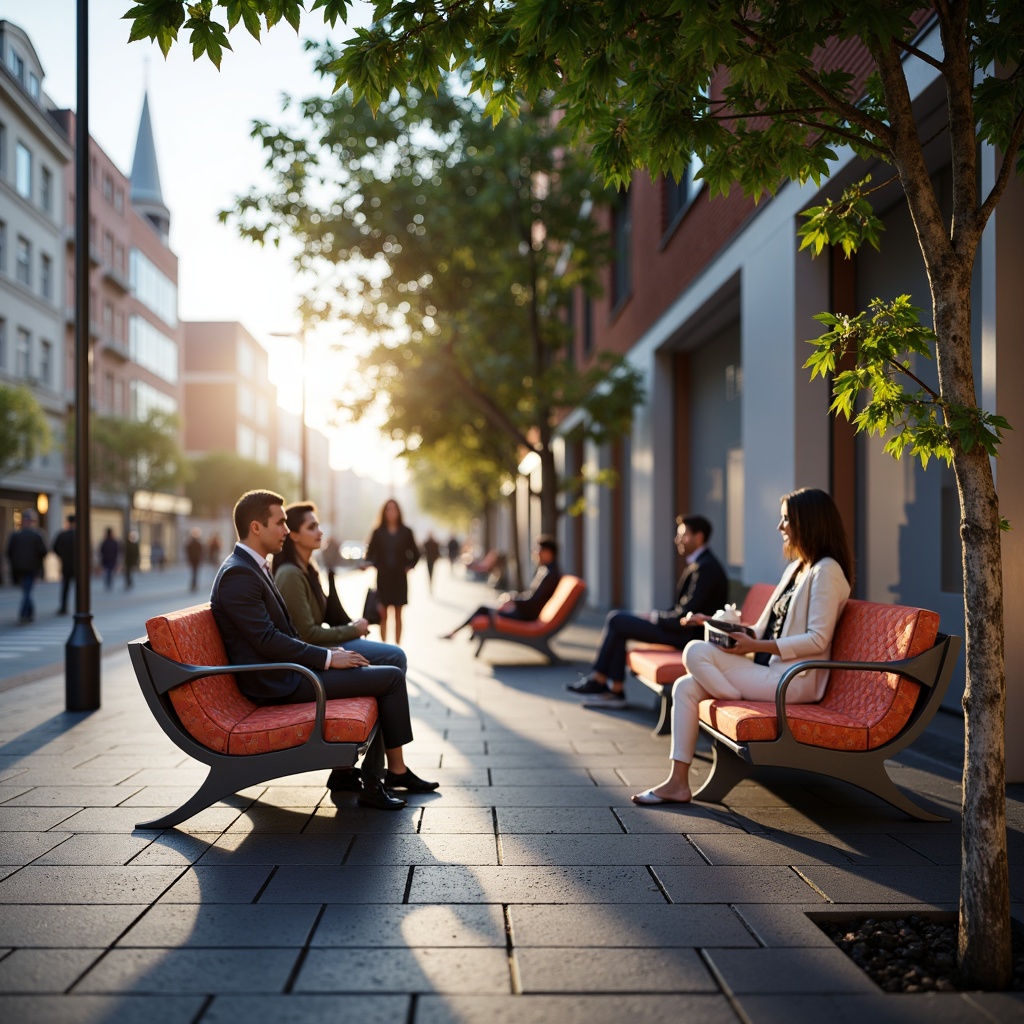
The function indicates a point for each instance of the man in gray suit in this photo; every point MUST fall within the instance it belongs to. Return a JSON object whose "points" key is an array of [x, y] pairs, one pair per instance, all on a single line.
{"points": [[255, 626]]}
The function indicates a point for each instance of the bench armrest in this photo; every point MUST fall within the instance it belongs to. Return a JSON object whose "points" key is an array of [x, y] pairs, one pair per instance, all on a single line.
{"points": [[925, 669], [167, 674]]}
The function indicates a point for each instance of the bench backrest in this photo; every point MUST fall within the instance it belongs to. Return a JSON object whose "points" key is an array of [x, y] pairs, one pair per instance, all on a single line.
{"points": [[207, 708], [878, 632], [753, 604], [563, 601]]}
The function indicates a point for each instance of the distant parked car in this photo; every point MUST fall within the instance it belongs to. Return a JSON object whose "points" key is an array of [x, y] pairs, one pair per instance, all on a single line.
{"points": [[353, 550]]}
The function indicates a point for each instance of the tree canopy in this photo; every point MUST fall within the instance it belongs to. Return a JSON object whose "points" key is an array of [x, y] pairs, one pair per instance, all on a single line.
{"points": [[458, 247], [24, 431], [131, 455], [218, 478]]}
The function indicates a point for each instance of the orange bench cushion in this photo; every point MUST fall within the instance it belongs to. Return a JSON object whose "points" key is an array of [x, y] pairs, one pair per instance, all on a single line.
{"points": [[217, 714], [860, 710], [553, 615], [660, 664]]}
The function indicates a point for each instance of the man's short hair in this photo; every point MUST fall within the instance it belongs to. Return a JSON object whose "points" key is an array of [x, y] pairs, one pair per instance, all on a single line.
{"points": [[254, 506], [696, 524], [545, 542]]}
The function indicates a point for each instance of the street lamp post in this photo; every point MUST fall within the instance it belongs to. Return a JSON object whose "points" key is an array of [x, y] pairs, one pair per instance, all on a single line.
{"points": [[300, 337]]}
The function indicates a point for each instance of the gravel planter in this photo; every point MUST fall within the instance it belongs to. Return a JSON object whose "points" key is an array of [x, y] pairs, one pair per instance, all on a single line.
{"points": [[910, 954]]}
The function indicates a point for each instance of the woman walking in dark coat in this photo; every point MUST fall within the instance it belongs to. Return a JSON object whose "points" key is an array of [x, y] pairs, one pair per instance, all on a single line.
{"points": [[393, 552]]}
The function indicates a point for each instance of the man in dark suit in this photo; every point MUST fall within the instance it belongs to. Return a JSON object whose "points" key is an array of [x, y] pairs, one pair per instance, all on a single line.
{"points": [[528, 604], [255, 626], [703, 587]]}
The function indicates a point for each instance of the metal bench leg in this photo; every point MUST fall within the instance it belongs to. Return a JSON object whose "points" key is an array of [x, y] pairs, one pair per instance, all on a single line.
{"points": [[664, 726], [217, 785], [872, 777], [726, 770], [479, 646]]}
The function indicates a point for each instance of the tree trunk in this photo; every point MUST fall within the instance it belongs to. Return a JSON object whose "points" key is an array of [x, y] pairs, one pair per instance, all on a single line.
{"points": [[515, 565], [548, 490], [984, 931]]}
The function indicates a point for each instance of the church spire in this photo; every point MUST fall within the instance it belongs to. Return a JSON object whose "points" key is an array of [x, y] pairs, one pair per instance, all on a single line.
{"points": [[146, 195]]}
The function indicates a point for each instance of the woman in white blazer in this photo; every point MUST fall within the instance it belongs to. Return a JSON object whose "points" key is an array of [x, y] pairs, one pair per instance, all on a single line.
{"points": [[797, 624]]}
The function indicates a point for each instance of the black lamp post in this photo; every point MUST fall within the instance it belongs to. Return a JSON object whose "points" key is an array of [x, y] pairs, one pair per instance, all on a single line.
{"points": [[82, 650]]}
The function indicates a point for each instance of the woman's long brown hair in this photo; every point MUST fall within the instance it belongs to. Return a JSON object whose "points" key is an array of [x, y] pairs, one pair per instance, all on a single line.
{"points": [[817, 529]]}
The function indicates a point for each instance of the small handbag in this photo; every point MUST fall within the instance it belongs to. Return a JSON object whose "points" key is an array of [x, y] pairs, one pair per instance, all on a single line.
{"points": [[334, 613], [371, 609]]}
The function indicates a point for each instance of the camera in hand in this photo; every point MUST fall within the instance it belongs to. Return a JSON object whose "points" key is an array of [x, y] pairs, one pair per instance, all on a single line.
{"points": [[717, 631]]}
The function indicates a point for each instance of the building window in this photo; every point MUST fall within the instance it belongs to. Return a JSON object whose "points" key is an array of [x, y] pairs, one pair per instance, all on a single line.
{"points": [[152, 349], [46, 190], [3, 247], [23, 354], [23, 170], [678, 196], [146, 399], [108, 390], [46, 363], [246, 440], [246, 360], [3, 345], [263, 449], [17, 65], [33, 85], [157, 292], [46, 277], [119, 200], [622, 242], [108, 321], [119, 406], [108, 248], [108, 188], [23, 268], [3, 150]]}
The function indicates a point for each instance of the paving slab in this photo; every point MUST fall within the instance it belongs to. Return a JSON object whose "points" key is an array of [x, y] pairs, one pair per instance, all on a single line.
{"points": [[423, 969], [597, 849], [236, 848], [816, 848], [66, 884], [33, 819], [850, 1008], [175, 848], [122, 1009], [307, 1009], [761, 884], [119, 820], [353, 820], [72, 796], [388, 926], [886, 883], [573, 1009], [97, 849], [170, 926], [694, 819], [355, 884], [575, 820], [20, 848], [50, 926], [529, 796], [613, 970], [429, 848], [178, 971], [748, 971], [617, 925], [236, 884], [45, 970], [450, 820], [534, 885]]}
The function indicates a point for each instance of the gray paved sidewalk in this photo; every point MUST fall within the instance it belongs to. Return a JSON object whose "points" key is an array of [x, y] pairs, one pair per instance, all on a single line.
{"points": [[528, 889]]}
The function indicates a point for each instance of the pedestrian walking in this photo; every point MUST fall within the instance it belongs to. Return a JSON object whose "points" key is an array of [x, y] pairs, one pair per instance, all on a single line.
{"points": [[431, 553], [132, 558], [65, 547], [453, 551], [110, 553], [157, 557], [26, 549], [392, 551], [194, 554], [214, 549]]}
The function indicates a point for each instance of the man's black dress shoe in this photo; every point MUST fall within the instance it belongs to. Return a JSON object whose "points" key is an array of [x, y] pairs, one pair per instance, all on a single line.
{"points": [[349, 780], [373, 794], [409, 782]]}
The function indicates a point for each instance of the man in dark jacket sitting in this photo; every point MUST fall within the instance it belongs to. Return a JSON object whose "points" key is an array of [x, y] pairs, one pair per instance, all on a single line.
{"points": [[703, 587], [528, 604]]}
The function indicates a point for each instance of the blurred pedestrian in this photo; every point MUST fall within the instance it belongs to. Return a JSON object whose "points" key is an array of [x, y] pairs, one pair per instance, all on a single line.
{"points": [[431, 553], [26, 549], [215, 549], [132, 558], [110, 553], [194, 554], [453, 551], [157, 556], [392, 551], [65, 546]]}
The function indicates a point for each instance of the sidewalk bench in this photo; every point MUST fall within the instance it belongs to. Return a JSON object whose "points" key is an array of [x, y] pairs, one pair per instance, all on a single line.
{"points": [[658, 666], [180, 668], [890, 669], [563, 605]]}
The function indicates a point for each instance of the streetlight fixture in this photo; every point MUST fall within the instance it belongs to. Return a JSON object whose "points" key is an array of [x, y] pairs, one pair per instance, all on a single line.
{"points": [[300, 337]]}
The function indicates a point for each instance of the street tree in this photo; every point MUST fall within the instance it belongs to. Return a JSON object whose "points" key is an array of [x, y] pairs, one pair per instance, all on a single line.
{"points": [[24, 432], [457, 245], [218, 478], [765, 92], [131, 455]]}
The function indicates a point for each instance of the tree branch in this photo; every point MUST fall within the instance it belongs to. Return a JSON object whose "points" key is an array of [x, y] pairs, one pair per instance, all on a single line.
{"points": [[1005, 170], [921, 55], [917, 380]]}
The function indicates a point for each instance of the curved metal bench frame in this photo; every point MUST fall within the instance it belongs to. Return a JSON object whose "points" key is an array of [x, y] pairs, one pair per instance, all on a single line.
{"points": [[230, 773], [734, 761], [541, 642]]}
